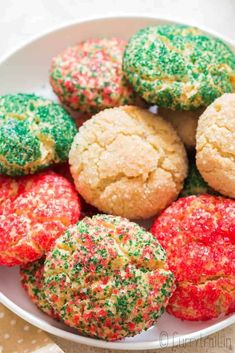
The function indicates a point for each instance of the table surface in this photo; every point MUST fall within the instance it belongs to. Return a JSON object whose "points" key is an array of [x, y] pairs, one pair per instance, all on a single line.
{"points": [[21, 20]]}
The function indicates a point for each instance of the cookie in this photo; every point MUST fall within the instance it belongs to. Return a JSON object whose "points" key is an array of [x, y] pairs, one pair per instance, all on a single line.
{"points": [[197, 233], [88, 76], [178, 67], [31, 276], [194, 183], [128, 162], [185, 123], [34, 133], [215, 145], [34, 211], [108, 277]]}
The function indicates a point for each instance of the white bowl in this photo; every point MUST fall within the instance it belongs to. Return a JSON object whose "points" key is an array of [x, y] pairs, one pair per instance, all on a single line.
{"points": [[26, 70]]}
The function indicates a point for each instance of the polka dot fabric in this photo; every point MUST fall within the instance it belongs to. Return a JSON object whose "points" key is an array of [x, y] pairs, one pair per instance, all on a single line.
{"points": [[17, 336]]}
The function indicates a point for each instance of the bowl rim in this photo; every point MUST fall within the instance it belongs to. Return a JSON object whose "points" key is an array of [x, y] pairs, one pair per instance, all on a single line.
{"points": [[162, 343], [66, 24], [40, 323]]}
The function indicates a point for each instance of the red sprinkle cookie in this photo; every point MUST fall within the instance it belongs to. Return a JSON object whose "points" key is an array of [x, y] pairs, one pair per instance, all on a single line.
{"points": [[34, 211], [88, 76], [198, 234], [108, 278]]}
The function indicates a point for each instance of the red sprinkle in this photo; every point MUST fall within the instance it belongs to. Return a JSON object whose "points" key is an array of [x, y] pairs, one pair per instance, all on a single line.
{"points": [[198, 234], [34, 211]]}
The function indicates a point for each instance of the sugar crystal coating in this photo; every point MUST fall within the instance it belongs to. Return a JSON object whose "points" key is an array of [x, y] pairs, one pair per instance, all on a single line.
{"points": [[88, 76], [198, 235], [215, 145], [34, 211], [178, 67], [31, 276], [34, 133], [108, 277], [128, 162]]}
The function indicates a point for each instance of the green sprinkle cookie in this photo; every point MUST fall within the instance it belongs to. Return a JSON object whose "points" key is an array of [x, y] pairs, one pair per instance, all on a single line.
{"points": [[195, 184], [178, 67], [108, 277], [34, 133]]}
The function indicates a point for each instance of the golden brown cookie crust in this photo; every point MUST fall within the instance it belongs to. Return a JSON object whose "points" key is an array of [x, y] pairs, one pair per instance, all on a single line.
{"points": [[128, 162], [215, 145]]}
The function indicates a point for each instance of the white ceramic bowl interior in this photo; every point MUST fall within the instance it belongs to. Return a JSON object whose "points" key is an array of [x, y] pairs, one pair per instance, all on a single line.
{"points": [[26, 70]]}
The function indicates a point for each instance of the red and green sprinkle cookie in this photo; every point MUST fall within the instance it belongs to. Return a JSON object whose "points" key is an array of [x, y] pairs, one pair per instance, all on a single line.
{"points": [[31, 276], [88, 76], [108, 277]]}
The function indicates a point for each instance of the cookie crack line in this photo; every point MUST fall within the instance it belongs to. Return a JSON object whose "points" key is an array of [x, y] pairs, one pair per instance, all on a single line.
{"points": [[31, 219], [122, 249], [182, 80], [154, 56], [122, 176], [160, 264], [112, 166], [144, 175], [112, 276], [163, 80], [225, 127], [222, 153], [30, 243], [200, 242], [15, 116], [210, 279], [29, 165], [121, 293], [39, 133], [30, 238]]}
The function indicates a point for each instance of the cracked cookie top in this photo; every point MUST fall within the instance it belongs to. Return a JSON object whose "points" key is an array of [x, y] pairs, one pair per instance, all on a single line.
{"points": [[178, 67], [215, 145], [198, 235], [108, 277], [34, 211], [129, 162], [34, 133]]}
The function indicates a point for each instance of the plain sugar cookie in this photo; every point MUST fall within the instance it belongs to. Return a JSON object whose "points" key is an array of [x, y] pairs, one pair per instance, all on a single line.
{"points": [[216, 145], [129, 162]]}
